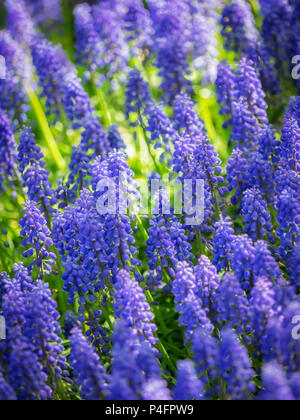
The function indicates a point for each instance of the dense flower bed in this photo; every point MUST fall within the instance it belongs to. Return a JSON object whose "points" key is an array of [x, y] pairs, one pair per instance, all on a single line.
{"points": [[134, 306]]}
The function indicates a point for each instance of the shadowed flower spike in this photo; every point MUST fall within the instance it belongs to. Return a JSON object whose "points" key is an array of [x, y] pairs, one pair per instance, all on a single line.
{"points": [[242, 261], [275, 384], [235, 367], [89, 374], [279, 343], [207, 283], [167, 243], [135, 370], [131, 306], [237, 175], [294, 266], [188, 386], [205, 349], [241, 36], [188, 304], [7, 149], [70, 322], [233, 306], [277, 31], [256, 215], [78, 235], [223, 240], [262, 304], [238, 28]]}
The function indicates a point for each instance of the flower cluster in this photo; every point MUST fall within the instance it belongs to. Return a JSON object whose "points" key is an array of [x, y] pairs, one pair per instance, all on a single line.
{"points": [[198, 299]]}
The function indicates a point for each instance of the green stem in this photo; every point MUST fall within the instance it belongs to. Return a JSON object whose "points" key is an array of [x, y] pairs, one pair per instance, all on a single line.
{"points": [[105, 114], [41, 117], [157, 313], [165, 354]]}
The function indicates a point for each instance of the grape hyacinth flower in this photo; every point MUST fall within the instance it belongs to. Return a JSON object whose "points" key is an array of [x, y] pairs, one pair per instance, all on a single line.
{"points": [[238, 28], [60, 84], [186, 120], [109, 24], [205, 349], [119, 245], [114, 138], [207, 284], [262, 304], [6, 391], [242, 260], [32, 337], [225, 88], [275, 384], [37, 236], [78, 235], [167, 243], [261, 176], [13, 98], [88, 47], [233, 306], [294, 266], [137, 24], [277, 30], [35, 178], [138, 96], [256, 215], [172, 50], [264, 264], [19, 22], [134, 367], [131, 306], [89, 374], [237, 175], [290, 137], [223, 240], [7, 149], [188, 304], [188, 386], [70, 322], [279, 343], [45, 12], [162, 134], [241, 36], [235, 367]]}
